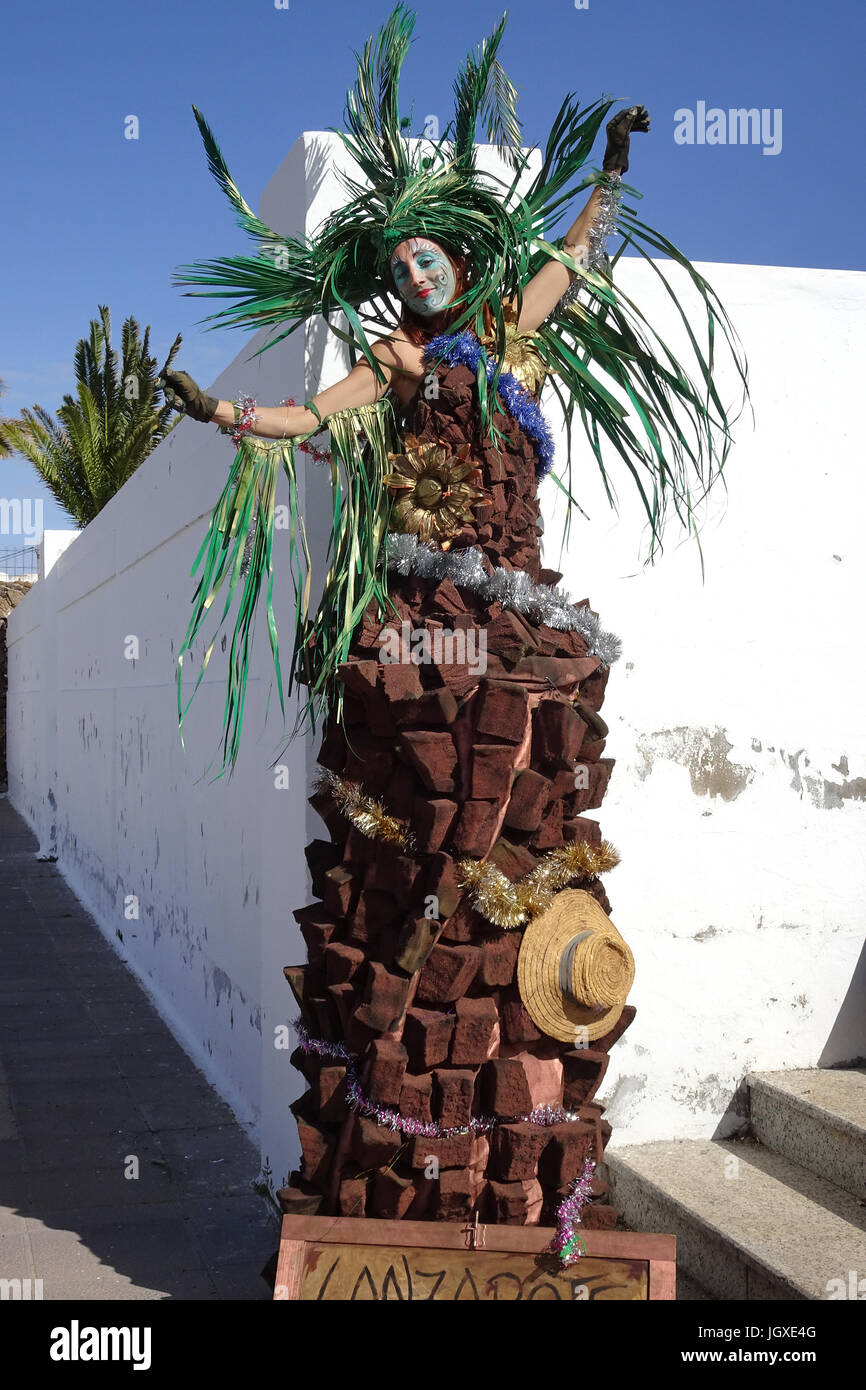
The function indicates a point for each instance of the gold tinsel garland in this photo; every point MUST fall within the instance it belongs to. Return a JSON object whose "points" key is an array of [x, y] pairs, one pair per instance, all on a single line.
{"points": [[366, 813], [505, 903], [510, 904]]}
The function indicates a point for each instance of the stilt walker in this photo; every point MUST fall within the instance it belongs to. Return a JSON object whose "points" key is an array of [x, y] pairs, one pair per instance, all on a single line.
{"points": [[464, 981]]}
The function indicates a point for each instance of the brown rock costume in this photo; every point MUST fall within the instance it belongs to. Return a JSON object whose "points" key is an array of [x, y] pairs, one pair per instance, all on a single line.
{"points": [[478, 766]]}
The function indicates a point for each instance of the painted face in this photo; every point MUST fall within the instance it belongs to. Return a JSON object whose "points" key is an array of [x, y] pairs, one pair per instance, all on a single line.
{"points": [[423, 276]]}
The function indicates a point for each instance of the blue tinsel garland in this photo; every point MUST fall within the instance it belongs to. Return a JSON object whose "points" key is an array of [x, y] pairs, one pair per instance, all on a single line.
{"points": [[465, 349]]}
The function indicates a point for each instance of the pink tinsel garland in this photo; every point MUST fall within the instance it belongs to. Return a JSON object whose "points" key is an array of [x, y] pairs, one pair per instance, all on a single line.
{"points": [[566, 1243]]}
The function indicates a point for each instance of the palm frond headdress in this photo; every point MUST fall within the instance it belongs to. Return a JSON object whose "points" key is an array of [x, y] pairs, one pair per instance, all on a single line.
{"points": [[609, 369]]}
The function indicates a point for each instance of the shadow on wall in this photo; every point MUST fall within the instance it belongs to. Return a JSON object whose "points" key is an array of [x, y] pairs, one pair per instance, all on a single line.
{"points": [[317, 166], [846, 1045]]}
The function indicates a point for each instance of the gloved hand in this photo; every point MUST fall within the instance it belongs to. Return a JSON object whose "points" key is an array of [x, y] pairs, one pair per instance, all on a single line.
{"points": [[618, 131], [182, 394]]}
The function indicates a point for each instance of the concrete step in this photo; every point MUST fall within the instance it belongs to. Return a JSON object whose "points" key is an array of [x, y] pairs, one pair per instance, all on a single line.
{"points": [[816, 1118], [749, 1223]]}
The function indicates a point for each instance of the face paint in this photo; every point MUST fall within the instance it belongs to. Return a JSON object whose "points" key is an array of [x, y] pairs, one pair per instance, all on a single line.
{"points": [[423, 276]]}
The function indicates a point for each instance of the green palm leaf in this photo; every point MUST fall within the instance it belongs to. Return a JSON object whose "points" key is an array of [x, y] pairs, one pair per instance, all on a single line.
{"points": [[372, 106], [484, 91], [217, 165]]}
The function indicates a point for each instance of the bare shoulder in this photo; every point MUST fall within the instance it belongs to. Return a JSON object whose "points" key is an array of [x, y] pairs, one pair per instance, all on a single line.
{"points": [[405, 359], [399, 351]]}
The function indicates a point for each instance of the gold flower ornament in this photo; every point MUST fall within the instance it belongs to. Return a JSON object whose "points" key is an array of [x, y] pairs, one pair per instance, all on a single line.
{"points": [[435, 489]]}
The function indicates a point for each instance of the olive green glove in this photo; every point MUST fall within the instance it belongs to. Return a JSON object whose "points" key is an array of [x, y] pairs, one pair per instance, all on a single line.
{"points": [[618, 131], [182, 394]]}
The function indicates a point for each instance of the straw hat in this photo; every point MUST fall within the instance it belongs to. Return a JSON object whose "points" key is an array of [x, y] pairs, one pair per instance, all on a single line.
{"points": [[574, 970]]}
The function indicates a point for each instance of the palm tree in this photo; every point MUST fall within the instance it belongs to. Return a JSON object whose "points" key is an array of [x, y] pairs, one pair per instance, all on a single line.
{"points": [[105, 433], [5, 449]]}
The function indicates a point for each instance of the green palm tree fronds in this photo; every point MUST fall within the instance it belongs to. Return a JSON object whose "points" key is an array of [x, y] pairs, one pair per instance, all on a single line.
{"points": [[664, 417], [6, 449], [628, 390], [568, 147], [483, 90], [372, 105], [217, 165], [251, 485], [406, 193], [103, 433], [361, 439]]}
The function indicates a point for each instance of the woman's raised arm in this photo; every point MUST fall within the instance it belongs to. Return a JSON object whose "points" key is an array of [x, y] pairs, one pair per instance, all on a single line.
{"points": [[543, 292]]}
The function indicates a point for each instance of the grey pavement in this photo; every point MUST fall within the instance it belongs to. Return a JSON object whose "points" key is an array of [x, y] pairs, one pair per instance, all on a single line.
{"points": [[94, 1087]]}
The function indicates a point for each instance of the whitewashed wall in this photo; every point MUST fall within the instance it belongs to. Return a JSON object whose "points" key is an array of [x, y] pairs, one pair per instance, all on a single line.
{"points": [[736, 720], [51, 546], [742, 877]]}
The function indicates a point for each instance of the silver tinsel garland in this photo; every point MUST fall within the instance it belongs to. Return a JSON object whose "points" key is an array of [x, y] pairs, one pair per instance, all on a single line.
{"points": [[248, 544], [541, 603], [603, 227]]}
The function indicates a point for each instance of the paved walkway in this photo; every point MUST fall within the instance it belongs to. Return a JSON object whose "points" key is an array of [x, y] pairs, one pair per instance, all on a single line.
{"points": [[91, 1080]]}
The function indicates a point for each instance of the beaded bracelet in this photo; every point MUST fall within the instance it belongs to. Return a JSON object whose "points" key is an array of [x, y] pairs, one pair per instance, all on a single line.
{"points": [[245, 417]]}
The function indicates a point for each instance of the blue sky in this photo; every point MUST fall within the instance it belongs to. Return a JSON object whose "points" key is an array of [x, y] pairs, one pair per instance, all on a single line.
{"points": [[93, 218]]}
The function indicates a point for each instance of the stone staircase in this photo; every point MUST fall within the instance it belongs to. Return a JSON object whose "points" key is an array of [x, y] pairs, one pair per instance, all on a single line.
{"points": [[777, 1214]]}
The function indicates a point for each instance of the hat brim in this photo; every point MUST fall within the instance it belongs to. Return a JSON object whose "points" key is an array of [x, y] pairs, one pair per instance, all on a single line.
{"points": [[544, 940]]}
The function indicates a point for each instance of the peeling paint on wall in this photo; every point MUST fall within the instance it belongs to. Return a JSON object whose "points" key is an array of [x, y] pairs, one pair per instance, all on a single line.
{"points": [[704, 753], [710, 1093], [626, 1090], [224, 985], [829, 795]]}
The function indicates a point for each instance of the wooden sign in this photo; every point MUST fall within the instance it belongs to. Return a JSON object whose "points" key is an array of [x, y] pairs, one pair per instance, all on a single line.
{"points": [[340, 1258]]}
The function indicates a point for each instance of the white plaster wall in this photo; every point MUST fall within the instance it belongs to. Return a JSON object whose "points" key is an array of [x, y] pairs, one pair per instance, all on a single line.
{"points": [[737, 801], [741, 901], [51, 546]]}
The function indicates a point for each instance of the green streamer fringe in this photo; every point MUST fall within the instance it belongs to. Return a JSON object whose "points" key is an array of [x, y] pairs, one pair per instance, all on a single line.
{"points": [[360, 441]]}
